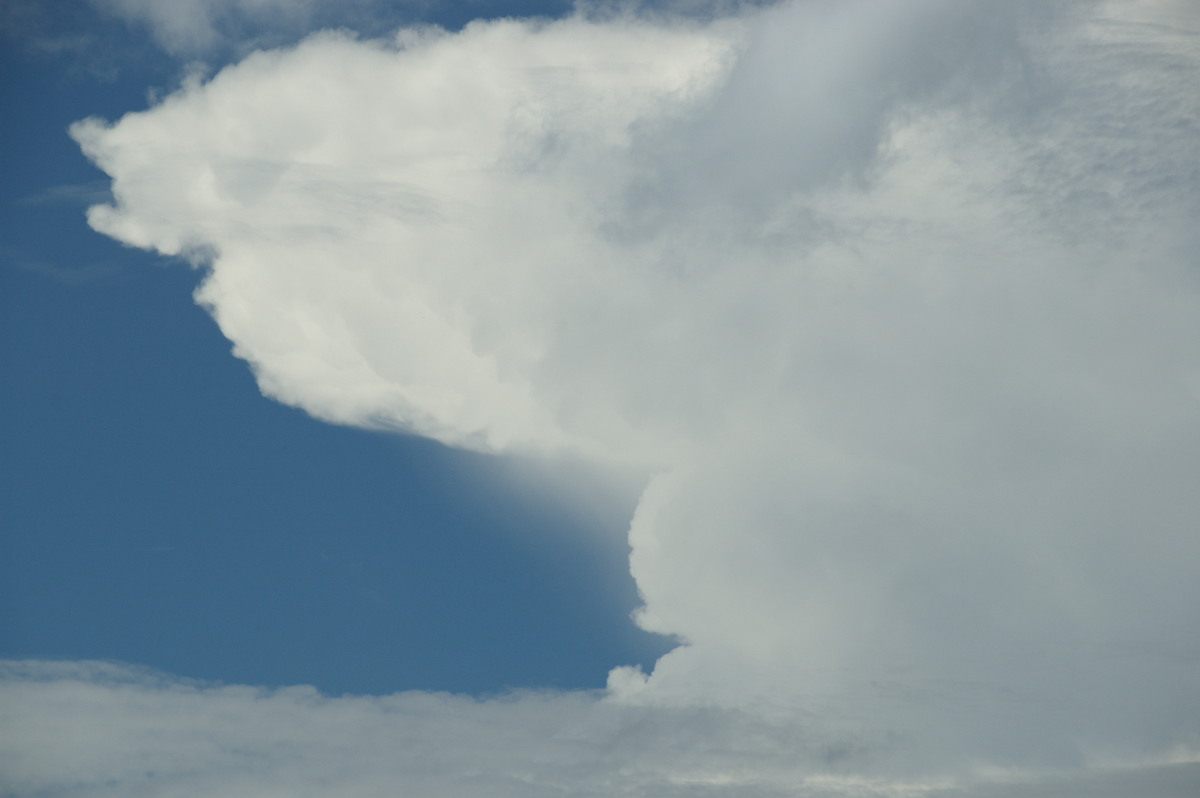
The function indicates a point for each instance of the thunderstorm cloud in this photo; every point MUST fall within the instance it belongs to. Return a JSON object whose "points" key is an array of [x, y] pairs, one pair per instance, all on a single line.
{"points": [[895, 304]]}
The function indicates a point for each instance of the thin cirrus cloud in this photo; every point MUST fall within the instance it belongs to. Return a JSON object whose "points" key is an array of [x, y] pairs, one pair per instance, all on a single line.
{"points": [[896, 303], [197, 27]]}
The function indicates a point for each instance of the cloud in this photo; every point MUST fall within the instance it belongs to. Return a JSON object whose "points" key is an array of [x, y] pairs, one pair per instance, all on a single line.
{"points": [[465, 176], [133, 732], [190, 28], [101, 729], [896, 302]]}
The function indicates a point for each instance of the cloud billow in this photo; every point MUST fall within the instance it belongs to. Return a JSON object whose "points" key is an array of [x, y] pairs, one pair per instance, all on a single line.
{"points": [[895, 302]]}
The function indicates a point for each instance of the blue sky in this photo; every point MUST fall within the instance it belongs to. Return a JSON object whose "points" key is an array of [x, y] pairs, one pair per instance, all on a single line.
{"points": [[684, 400]]}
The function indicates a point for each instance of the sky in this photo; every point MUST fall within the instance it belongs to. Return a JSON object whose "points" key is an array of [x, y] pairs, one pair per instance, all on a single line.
{"points": [[678, 399]]}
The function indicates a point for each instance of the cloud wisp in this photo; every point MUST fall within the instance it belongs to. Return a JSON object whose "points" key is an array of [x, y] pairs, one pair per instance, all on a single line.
{"points": [[191, 28], [897, 302]]}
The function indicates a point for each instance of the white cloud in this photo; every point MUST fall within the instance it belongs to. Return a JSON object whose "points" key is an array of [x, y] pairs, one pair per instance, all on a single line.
{"points": [[441, 212], [897, 299]]}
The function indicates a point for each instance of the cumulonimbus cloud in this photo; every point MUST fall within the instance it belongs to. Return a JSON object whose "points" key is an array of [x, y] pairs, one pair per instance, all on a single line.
{"points": [[897, 301]]}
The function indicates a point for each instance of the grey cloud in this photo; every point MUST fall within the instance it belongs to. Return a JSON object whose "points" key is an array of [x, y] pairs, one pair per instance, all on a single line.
{"points": [[102, 729]]}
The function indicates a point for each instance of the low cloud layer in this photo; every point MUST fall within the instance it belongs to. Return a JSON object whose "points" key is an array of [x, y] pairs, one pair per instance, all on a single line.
{"points": [[897, 303], [105, 731]]}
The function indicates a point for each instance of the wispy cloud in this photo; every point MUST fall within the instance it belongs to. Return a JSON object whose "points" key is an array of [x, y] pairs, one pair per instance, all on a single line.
{"points": [[91, 193], [896, 300], [73, 274], [203, 28]]}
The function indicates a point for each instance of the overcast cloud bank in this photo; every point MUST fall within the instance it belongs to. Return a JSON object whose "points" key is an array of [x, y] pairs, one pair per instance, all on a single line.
{"points": [[896, 302], [97, 729]]}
